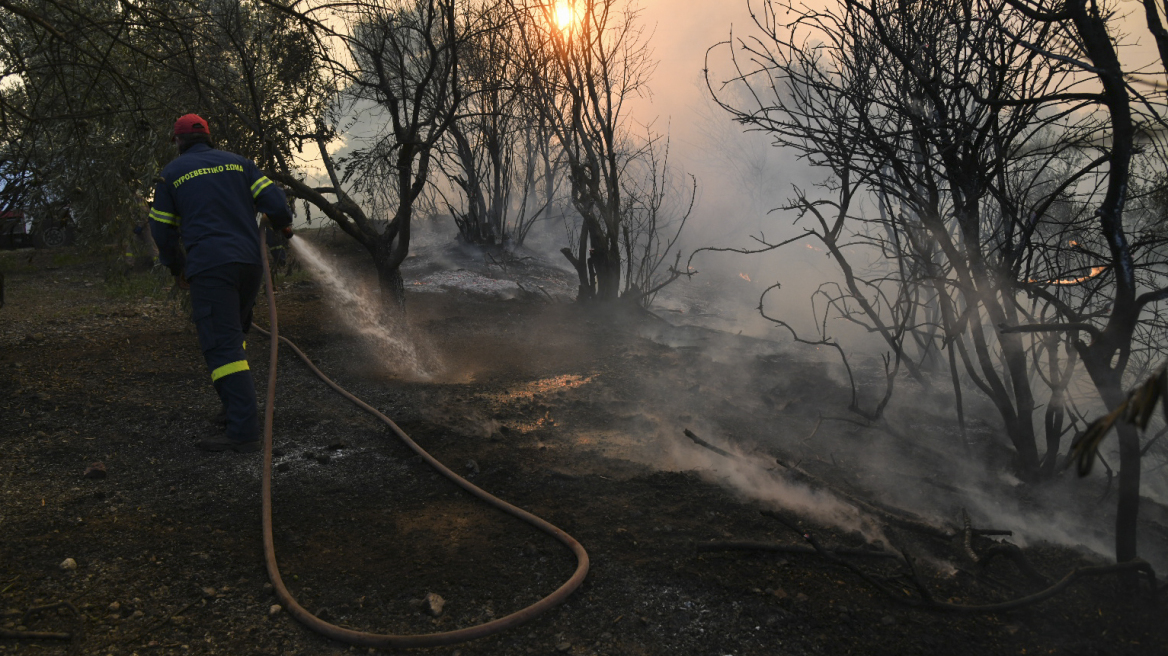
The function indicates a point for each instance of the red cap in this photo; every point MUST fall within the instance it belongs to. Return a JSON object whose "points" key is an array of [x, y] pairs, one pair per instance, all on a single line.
{"points": [[191, 124]]}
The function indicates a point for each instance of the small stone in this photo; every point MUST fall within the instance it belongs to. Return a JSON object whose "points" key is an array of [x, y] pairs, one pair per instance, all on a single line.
{"points": [[563, 646], [433, 603], [472, 466], [801, 597], [324, 614], [274, 610], [96, 471], [323, 459], [68, 565], [888, 620], [114, 607], [208, 592], [137, 614]]}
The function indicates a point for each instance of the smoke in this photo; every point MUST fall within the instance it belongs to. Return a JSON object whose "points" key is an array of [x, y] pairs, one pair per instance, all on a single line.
{"points": [[356, 305], [757, 477]]}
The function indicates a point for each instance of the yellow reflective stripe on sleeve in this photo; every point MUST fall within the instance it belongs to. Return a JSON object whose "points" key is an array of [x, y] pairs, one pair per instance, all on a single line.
{"points": [[245, 344], [228, 369], [259, 186], [164, 217]]}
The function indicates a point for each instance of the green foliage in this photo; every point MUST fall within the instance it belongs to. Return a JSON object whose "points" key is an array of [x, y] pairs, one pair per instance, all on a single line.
{"points": [[1137, 409], [91, 90]]}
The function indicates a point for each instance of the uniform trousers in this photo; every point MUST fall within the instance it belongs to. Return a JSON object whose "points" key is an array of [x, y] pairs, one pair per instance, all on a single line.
{"points": [[222, 300]]}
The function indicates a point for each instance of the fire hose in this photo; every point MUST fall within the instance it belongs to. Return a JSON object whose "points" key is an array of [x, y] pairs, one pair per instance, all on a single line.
{"points": [[361, 638]]}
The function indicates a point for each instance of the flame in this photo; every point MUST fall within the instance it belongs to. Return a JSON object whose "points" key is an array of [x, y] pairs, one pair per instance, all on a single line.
{"points": [[540, 387], [744, 277], [1073, 281], [810, 247], [1073, 242]]}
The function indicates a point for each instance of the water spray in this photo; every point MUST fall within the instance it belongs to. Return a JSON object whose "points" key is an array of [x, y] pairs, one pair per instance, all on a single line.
{"points": [[361, 313], [361, 638]]}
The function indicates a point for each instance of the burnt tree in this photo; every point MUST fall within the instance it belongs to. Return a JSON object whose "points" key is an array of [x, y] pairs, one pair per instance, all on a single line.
{"points": [[1000, 192], [583, 69]]}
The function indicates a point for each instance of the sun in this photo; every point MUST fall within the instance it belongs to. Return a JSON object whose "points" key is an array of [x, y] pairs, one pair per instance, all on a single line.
{"points": [[564, 15]]}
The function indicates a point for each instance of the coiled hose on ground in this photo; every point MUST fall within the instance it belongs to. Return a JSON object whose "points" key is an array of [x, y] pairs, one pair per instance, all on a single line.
{"points": [[361, 638]]}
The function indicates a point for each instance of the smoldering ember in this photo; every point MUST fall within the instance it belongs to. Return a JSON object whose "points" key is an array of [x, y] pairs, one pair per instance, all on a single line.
{"points": [[588, 327]]}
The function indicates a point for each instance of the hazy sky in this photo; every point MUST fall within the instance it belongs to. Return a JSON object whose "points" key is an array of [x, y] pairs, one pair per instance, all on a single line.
{"points": [[683, 30], [706, 143]]}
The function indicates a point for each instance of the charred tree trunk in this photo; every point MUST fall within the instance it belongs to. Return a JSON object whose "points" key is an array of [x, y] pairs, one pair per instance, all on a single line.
{"points": [[389, 252], [580, 262], [393, 291], [1109, 382], [1106, 357], [605, 258]]}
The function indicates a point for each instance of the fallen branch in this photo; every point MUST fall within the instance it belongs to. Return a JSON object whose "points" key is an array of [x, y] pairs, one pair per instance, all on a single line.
{"points": [[926, 601], [890, 516], [41, 635], [815, 430], [156, 623], [75, 637], [40, 609], [34, 635], [790, 548], [700, 442]]}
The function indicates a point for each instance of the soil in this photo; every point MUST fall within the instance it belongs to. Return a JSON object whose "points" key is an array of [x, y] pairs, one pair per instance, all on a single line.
{"points": [[575, 413]]}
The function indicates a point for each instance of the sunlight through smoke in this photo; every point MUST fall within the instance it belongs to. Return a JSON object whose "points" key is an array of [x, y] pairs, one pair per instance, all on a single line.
{"points": [[359, 310]]}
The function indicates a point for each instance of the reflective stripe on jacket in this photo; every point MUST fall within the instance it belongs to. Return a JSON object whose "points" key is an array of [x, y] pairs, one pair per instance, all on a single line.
{"points": [[210, 198]]}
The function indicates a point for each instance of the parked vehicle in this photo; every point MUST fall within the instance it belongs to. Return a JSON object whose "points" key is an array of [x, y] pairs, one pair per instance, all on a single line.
{"points": [[15, 230], [51, 233]]}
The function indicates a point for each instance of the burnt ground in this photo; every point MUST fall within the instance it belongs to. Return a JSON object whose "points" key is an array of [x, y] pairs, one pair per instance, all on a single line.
{"points": [[573, 413]]}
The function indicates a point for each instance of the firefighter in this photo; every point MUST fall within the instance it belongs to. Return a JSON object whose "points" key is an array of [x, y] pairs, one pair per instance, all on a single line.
{"points": [[206, 203]]}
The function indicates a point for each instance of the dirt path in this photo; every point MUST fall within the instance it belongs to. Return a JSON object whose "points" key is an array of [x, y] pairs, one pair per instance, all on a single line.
{"points": [[548, 405]]}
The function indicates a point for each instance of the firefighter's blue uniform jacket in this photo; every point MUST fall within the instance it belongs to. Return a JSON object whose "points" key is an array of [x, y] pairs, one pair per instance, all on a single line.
{"points": [[207, 202]]}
